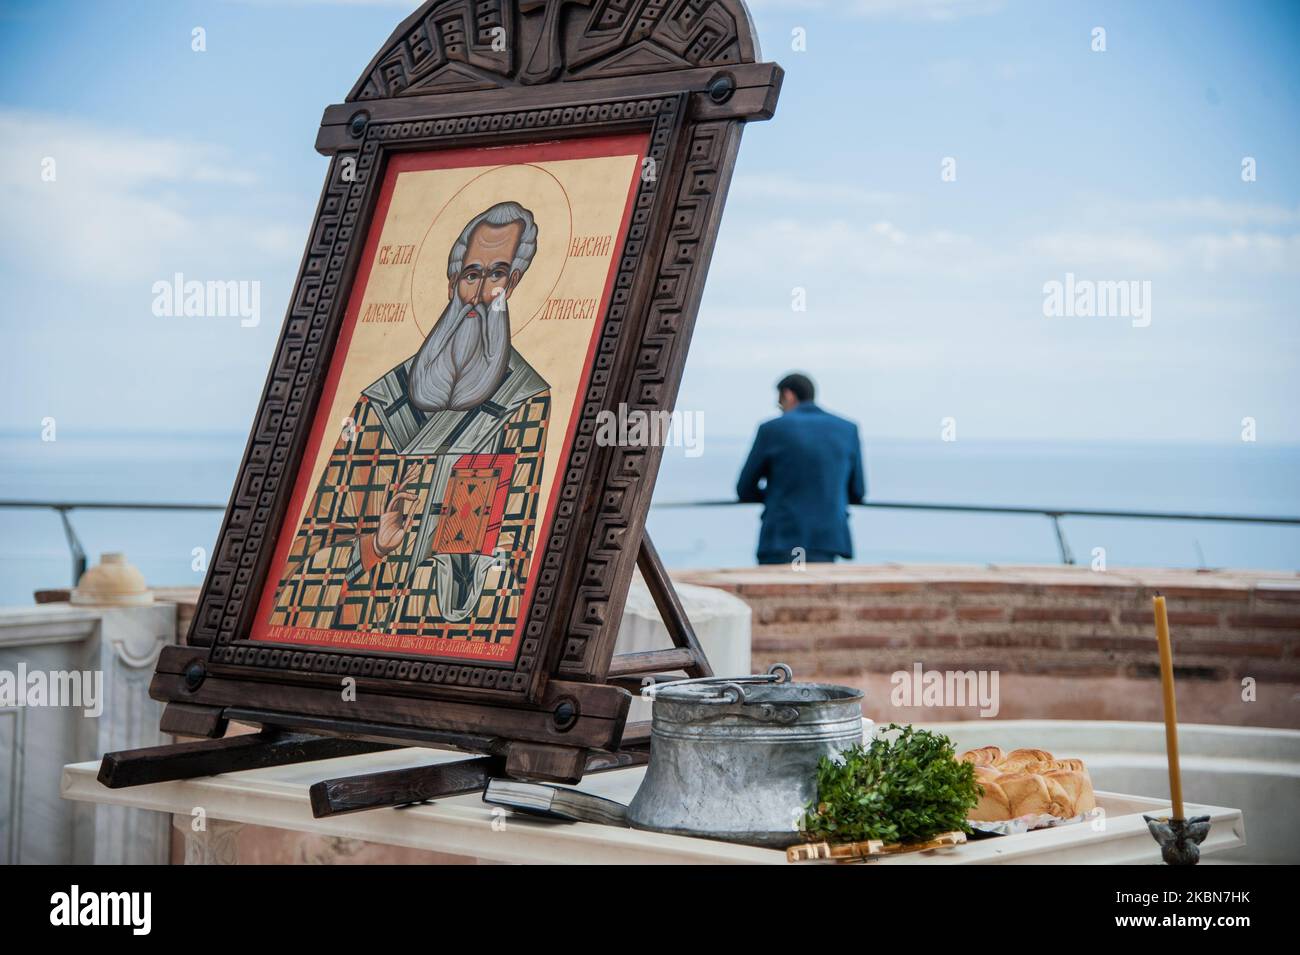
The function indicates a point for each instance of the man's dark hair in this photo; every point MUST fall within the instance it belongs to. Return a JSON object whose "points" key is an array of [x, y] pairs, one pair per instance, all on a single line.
{"points": [[801, 386]]}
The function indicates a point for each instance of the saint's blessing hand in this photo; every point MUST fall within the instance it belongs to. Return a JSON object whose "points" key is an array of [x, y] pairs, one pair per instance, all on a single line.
{"points": [[399, 515]]}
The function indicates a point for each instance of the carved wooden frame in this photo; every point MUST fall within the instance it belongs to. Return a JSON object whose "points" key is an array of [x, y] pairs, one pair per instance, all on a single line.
{"points": [[673, 71]]}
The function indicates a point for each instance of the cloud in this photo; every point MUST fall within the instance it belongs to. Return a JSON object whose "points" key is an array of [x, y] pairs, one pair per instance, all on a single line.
{"points": [[926, 9], [822, 251], [123, 208], [1205, 209], [1253, 252], [101, 156], [407, 4], [958, 72], [931, 10], [1092, 250], [806, 234], [795, 190], [1142, 254], [1173, 235]]}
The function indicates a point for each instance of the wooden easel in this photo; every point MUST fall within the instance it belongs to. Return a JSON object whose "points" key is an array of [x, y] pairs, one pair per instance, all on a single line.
{"points": [[682, 85], [275, 746]]}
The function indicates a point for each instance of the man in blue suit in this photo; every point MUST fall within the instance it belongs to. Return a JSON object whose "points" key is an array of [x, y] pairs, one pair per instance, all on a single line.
{"points": [[806, 467]]}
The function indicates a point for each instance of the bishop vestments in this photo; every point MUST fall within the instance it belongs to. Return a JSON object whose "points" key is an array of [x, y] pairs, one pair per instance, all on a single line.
{"points": [[461, 568]]}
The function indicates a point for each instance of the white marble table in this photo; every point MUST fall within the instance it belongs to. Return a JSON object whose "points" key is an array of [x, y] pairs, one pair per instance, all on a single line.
{"points": [[465, 826]]}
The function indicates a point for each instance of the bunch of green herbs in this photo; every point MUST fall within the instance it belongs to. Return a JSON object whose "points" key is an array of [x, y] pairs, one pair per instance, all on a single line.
{"points": [[907, 785]]}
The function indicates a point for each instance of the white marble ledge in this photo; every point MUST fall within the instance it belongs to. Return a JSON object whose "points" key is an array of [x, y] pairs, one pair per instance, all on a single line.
{"points": [[47, 623], [463, 825]]}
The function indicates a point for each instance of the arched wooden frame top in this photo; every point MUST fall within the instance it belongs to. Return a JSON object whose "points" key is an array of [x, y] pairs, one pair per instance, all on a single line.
{"points": [[455, 46]]}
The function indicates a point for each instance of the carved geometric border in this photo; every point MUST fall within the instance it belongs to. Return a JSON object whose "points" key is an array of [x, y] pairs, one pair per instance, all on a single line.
{"points": [[233, 585], [450, 46], [665, 335]]}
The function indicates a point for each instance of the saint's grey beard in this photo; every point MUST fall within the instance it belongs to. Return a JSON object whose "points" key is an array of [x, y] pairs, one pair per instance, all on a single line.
{"points": [[464, 359]]}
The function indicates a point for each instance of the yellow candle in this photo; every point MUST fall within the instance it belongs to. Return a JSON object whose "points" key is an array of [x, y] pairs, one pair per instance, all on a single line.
{"points": [[1171, 716]]}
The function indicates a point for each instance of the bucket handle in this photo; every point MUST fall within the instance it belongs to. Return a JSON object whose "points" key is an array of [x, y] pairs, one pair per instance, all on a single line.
{"points": [[730, 690]]}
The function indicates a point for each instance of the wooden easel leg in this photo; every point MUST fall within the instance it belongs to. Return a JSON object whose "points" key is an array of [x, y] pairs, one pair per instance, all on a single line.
{"points": [[208, 757], [418, 784], [400, 787], [670, 606], [631, 670]]}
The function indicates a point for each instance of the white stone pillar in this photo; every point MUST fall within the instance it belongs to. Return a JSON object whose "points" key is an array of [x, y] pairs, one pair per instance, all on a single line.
{"points": [[121, 645], [721, 622]]}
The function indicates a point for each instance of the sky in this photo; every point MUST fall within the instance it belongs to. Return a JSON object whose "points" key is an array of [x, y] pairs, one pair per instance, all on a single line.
{"points": [[933, 167]]}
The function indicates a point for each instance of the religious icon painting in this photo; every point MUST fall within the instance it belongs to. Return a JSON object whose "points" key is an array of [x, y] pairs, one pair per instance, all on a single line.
{"points": [[428, 540], [420, 509]]}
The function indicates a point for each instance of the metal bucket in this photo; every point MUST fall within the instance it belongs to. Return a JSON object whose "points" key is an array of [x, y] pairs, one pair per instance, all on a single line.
{"points": [[736, 758]]}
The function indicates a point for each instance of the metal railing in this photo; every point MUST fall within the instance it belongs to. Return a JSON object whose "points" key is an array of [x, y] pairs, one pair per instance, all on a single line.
{"points": [[64, 509], [1054, 513]]}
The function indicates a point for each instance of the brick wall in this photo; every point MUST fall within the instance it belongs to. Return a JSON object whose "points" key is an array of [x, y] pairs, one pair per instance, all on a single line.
{"points": [[1065, 642]]}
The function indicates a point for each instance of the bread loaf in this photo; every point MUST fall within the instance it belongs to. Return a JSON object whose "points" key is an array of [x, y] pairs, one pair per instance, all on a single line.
{"points": [[984, 756], [1028, 782], [994, 805]]}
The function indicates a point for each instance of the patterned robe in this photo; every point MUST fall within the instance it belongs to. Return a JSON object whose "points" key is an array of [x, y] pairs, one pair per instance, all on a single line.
{"points": [[462, 566]]}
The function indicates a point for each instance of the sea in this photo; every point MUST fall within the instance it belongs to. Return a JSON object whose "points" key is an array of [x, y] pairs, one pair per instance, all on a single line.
{"points": [[172, 548]]}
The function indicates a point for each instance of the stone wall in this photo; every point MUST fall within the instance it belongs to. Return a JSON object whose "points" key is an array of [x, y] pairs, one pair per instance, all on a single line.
{"points": [[1065, 642]]}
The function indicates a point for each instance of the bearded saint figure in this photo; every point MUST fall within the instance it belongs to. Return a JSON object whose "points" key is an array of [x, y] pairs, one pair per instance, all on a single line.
{"points": [[424, 519]]}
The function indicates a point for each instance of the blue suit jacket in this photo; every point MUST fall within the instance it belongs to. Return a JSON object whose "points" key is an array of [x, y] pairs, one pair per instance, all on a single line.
{"points": [[812, 461]]}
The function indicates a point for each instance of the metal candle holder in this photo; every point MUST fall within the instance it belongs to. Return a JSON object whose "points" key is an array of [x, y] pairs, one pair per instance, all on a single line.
{"points": [[1179, 839]]}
